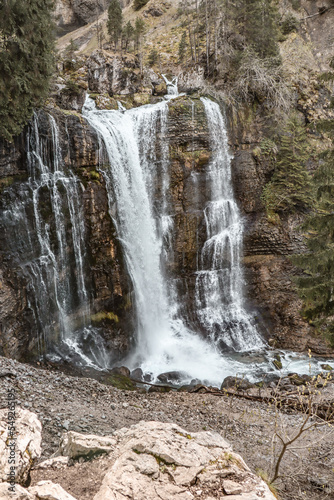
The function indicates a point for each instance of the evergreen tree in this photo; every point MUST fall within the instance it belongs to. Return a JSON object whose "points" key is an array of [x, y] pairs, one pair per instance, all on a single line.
{"points": [[290, 186], [258, 21], [128, 34], [182, 47], [115, 21], [26, 61], [316, 285], [139, 31], [153, 57]]}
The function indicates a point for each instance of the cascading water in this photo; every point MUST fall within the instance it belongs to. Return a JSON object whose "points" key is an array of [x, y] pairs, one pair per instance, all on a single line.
{"points": [[219, 284], [172, 89], [164, 343], [45, 231]]}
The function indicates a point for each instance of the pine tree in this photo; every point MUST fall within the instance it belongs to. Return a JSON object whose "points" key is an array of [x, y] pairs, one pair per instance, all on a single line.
{"points": [[139, 31], [26, 61], [316, 285], [182, 47], [115, 21], [290, 186], [153, 57], [258, 21], [128, 34]]}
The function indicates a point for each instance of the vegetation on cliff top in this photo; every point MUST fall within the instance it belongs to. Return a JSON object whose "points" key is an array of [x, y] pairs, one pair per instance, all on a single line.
{"points": [[26, 61]]}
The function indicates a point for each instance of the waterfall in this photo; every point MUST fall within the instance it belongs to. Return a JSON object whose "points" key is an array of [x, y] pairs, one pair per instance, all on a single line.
{"points": [[45, 231], [137, 150], [172, 89], [219, 284]]}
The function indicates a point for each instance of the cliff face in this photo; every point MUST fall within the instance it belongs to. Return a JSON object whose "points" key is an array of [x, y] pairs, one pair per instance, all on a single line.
{"points": [[108, 281], [267, 247]]}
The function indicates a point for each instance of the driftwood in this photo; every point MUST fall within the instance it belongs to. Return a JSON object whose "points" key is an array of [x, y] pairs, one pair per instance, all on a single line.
{"points": [[154, 385], [322, 410]]}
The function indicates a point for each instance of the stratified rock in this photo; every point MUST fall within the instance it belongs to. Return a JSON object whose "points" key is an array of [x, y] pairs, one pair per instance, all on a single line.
{"points": [[76, 445], [25, 448], [113, 74], [149, 454], [47, 490]]}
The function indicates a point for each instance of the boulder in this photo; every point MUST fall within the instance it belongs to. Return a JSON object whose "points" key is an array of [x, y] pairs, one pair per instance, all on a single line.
{"points": [[19, 444], [76, 445], [19, 493], [172, 377], [47, 490], [241, 384], [149, 455]]}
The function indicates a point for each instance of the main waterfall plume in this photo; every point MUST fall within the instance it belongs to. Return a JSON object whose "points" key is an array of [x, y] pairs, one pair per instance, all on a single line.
{"points": [[163, 341]]}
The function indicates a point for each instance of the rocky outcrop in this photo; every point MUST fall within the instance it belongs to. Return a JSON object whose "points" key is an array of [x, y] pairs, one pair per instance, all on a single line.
{"points": [[20, 443], [75, 445], [153, 460], [71, 14], [113, 74]]}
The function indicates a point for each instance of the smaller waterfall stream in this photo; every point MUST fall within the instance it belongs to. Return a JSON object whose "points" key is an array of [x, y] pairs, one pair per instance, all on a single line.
{"points": [[46, 234], [219, 284]]}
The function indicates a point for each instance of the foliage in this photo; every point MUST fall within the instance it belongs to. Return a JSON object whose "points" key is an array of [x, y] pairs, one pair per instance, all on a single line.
{"points": [[128, 34], [289, 24], [182, 46], [257, 21], [153, 57], [316, 285], [26, 61], [138, 4], [139, 30], [259, 79], [290, 186], [115, 21]]}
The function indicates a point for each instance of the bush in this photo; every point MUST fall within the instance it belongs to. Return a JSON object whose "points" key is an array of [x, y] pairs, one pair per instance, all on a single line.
{"points": [[138, 4], [289, 24]]}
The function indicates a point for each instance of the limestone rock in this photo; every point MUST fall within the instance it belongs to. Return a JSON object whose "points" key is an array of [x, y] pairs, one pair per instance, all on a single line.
{"points": [[75, 445], [18, 494], [155, 460], [47, 490], [71, 15], [53, 463], [25, 449], [113, 74]]}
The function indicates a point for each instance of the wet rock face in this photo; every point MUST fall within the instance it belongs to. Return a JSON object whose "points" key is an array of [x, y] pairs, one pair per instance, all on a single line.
{"points": [[268, 247], [107, 280]]}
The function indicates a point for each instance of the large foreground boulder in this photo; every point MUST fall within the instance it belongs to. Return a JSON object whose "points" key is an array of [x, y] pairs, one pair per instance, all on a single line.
{"points": [[155, 460], [20, 444]]}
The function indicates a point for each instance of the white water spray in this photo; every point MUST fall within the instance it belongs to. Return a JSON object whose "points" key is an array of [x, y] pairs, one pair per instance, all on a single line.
{"points": [[219, 285], [164, 343]]}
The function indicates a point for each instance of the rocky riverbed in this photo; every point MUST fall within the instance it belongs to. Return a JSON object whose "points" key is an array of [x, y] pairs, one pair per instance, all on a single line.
{"points": [[67, 403]]}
